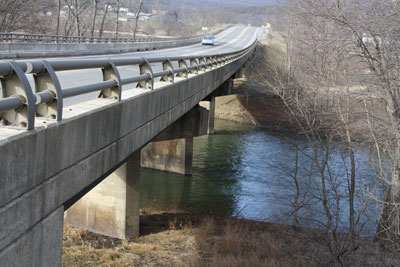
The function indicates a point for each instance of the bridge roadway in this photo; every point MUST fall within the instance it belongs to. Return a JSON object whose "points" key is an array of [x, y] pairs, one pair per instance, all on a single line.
{"points": [[45, 170], [229, 40]]}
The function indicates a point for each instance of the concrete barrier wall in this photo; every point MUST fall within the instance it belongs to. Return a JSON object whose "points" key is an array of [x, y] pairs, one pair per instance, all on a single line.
{"points": [[26, 50], [39, 50], [42, 169]]}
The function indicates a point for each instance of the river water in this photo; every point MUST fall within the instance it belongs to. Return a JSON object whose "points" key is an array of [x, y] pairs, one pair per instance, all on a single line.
{"points": [[246, 172]]}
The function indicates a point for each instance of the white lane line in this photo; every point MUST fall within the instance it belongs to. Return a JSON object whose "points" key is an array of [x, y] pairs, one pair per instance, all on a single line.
{"points": [[253, 38], [218, 36], [227, 44]]}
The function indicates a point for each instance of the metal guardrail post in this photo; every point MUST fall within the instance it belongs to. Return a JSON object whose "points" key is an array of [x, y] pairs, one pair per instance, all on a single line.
{"points": [[219, 61], [193, 62], [203, 62], [17, 85], [223, 60], [167, 65], [47, 81], [111, 73], [184, 73], [145, 68], [209, 62], [214, 62]]}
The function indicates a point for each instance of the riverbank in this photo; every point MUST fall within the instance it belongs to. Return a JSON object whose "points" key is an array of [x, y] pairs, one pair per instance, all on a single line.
{"points": [[254, 101], [252, 104], [174, 238]]}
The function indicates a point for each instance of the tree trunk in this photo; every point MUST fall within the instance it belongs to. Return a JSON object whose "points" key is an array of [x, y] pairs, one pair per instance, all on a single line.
{"points": [[352, 188], [58, 18], [297, 197], [103, 19], [137, 18], [67, 26], [389, 223], [78, 26], [344, 116], [117, 26], [95, 2]]}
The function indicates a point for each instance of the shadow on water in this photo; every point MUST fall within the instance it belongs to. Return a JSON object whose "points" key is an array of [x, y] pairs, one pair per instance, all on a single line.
{"points": [[239, 171], [213, 186]]}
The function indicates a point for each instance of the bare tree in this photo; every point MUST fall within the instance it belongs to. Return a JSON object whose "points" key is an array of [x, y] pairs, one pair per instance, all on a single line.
{"points": [[372, 28], [314, 81], [17, 14], [58, 17], [95, 4], [137, 18], [78, 24], [106, 7], [117, 19], [73, 8]]}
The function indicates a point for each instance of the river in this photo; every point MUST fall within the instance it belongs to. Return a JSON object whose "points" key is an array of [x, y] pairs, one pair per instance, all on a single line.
{"points": [[246, 172]]}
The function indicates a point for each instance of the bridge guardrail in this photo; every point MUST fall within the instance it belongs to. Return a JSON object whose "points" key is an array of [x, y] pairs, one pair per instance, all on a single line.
{"points": [[20, 104], [13, 37]]}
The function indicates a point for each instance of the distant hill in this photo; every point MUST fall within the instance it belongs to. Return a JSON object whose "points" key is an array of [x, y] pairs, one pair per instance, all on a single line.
{"points": [[218, 3]]}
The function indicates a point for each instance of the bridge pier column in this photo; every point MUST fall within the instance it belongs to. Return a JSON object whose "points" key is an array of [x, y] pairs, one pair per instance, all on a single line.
{"points": [[174, 155], [239, 73], [225, 88], [112, 207], [209, 104], [211, 118], [172, 150]]}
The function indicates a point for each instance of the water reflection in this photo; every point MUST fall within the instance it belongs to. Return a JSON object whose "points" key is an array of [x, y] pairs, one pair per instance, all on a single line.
{"points": [[247, 172]]}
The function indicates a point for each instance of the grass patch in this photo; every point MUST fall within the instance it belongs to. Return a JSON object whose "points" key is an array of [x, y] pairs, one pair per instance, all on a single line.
{"points": [[236, 245], [194, 240]]}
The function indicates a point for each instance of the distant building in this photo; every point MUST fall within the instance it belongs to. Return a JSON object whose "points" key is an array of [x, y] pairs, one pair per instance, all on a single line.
{"points": [[144, 16], [158, 12]]}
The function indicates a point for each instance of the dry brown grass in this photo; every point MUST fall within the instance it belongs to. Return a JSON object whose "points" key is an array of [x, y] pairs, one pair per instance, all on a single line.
{"points": [[172, 245], [236, 245], [203, 233], [192, 240]]}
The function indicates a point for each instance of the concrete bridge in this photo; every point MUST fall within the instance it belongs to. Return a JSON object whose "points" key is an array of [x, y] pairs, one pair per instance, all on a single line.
{"points": [[79, 162]]}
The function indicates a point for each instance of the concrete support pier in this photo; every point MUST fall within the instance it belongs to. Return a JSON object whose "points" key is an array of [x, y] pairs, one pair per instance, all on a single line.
{"points": [[172, 150], [211, 117], [112, 207], [174, 155], [224, 89], [209, 104]]}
